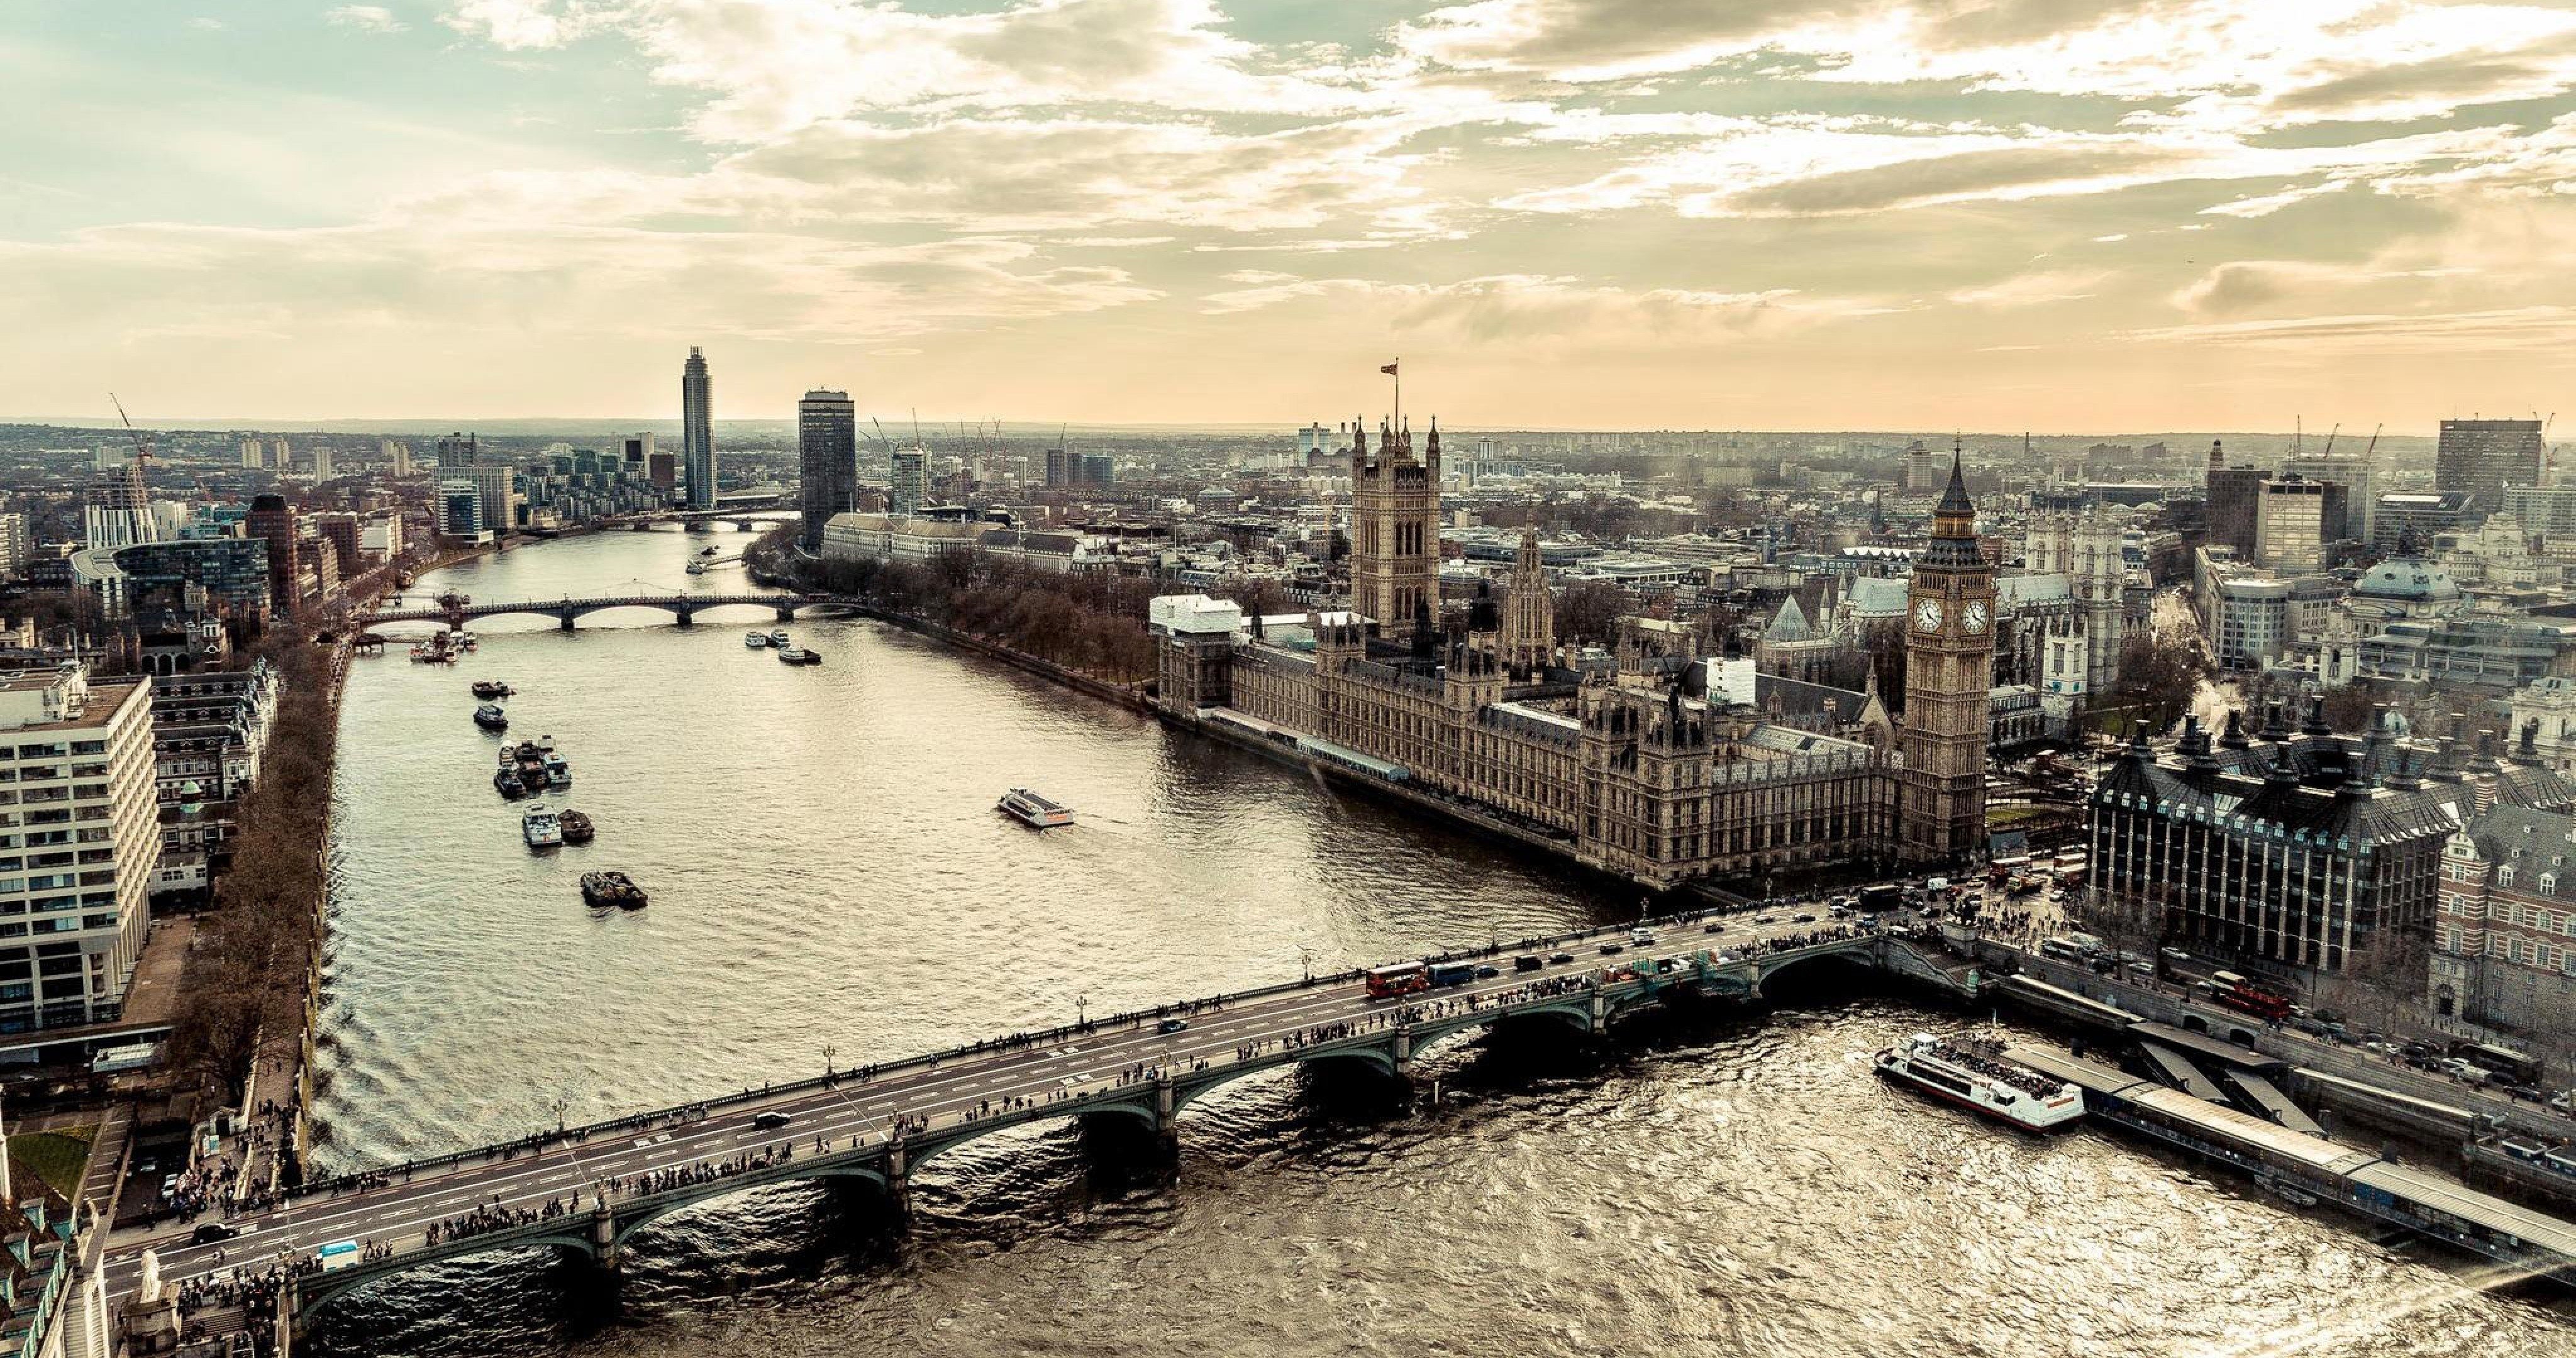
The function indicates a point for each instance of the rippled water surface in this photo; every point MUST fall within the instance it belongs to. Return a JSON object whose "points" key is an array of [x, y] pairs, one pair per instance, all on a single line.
{"points": [[827, 871]]}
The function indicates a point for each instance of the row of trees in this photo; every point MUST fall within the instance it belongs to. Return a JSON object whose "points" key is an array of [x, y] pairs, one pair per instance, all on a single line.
{"points": [[1092, 622], [247, 968]]}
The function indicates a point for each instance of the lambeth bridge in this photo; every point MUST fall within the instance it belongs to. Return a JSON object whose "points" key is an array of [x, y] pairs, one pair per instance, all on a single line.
{"points": [[456, 610], [589, 1190]]}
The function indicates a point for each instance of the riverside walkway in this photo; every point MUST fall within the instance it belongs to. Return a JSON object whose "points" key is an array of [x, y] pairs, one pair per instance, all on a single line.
{"points": [[590, 1189]]}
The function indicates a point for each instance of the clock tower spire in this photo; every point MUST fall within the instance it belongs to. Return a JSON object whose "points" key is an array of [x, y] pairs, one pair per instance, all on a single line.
{"points": [[1949, 677]]}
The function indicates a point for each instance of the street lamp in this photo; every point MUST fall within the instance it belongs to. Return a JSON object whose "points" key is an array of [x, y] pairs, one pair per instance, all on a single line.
{"points": [[562, 1105], [1078, 1019], [828, 1049], [1306, 961]]}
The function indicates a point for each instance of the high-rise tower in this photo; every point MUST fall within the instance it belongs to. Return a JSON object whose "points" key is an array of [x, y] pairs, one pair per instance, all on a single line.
{"points": [[827, 460], [697, 432], [1949, 675], [1395, 529]]}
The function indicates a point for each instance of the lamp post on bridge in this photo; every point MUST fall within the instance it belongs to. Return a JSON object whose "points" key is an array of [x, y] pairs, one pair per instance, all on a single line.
{"points": [[562, 1106], [828, 1049], [1078, 1019]]}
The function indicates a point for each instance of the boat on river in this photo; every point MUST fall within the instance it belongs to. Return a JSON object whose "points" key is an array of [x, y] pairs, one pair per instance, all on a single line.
{"points": [[558, 771], [778, 636], [491, 718], [793, 655], [492, 688], [541, 828], [576, 827], [1034, 811], [611, 887], [1974, 1074], [755, 640], [505, 780]]}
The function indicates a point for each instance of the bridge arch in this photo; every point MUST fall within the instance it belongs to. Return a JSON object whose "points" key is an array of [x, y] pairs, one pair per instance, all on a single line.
{"points": [[310, 1300]]}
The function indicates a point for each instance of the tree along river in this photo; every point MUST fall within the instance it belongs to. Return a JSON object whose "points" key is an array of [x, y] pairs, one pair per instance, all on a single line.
{"points": [[828, 875]]}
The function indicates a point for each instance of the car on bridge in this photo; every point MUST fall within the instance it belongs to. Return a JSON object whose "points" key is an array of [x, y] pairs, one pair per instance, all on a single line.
{"points": [[1171, 1025], [770, 1122], [1560, 958], [214, 1233]]}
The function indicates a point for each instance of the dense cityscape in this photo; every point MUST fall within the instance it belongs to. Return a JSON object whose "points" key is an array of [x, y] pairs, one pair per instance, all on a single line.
{"points": [[1212, 676]]}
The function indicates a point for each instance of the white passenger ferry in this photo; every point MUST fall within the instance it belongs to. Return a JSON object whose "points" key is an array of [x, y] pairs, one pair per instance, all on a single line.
{"points": [[1033, 810], [1973, 1074]]}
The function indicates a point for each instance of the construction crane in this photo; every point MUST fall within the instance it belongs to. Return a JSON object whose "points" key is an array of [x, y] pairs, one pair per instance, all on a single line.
{"points": [[142, 444]]}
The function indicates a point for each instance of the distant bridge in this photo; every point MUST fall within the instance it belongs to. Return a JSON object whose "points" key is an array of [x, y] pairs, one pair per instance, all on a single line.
{"points": [[456, 611]]}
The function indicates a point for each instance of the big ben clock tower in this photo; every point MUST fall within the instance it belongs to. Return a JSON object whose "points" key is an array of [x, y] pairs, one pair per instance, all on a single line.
{"points": [[1949, 672]]}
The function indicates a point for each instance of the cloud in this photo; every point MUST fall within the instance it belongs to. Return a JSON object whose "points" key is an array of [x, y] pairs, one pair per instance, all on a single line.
{"points": [[206, 23], [771, 66], [364, 18], [314, 283], [1540, 311], [2546, 327], [2033, 289]]}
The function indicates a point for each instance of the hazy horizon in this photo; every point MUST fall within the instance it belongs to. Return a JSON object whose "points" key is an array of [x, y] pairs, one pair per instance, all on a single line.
{"points": [[1571, 214]]}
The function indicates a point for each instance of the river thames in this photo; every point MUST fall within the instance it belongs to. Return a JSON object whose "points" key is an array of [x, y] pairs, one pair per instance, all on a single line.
{"points": [[828, 874]]}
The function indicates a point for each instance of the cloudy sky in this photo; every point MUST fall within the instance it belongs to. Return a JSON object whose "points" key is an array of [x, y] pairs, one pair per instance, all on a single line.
{"points": [[2063, 215]]}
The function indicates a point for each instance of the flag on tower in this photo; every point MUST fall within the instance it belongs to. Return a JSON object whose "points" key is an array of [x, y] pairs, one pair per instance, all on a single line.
{"points": [[1389, 370]]}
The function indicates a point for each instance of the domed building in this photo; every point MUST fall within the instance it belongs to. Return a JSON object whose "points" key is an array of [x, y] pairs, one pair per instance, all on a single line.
{"points": [[2406, 585]]}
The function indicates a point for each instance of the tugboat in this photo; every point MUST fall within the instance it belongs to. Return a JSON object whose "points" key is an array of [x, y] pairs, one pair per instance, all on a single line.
{"points": [[492, 688], [755, 640], [491, 718], [576, 827], [1034, 811], [541, 828], [1973, 1073], [612, 888]]}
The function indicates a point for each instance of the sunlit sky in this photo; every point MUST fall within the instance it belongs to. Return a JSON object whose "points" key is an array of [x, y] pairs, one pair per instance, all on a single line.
{"points": [[2060, 215]]}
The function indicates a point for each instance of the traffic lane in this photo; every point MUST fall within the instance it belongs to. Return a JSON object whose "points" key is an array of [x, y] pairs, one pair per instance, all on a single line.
{"points": [[553, 1174]]}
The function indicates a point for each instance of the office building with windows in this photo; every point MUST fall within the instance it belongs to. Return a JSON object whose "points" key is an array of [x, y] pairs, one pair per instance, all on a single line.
{"points": [[2479, 458], [78, 841], [827, 462]]}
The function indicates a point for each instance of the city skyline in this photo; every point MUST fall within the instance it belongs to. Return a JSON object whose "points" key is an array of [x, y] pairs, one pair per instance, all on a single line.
{"points": [[1564, 213]]}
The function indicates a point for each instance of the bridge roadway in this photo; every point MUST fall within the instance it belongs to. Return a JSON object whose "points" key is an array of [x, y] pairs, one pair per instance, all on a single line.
{"points": [[1123, 1067]]}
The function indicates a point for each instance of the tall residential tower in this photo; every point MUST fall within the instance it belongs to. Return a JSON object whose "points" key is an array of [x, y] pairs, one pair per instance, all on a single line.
{"points": [[697, 432]]}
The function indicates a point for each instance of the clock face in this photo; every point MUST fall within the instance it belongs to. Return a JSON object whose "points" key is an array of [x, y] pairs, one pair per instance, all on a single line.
{"points": [[1927, 616], [1974, 617]]}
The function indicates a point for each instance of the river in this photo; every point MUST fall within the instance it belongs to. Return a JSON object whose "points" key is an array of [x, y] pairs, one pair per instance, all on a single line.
{"points": [[829, 877]]}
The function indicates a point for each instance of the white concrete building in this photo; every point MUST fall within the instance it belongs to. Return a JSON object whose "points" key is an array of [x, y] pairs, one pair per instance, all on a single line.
{"points": [[78, 839]]}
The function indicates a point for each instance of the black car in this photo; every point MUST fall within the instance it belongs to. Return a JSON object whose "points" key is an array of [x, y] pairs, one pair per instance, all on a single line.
{"points": [[1613, 949], [1486, 973], [1527, 963], [212, 1233], [1560, 958], [769, 1122], [1717, 927], [1171, 1025], [1806, 919]]}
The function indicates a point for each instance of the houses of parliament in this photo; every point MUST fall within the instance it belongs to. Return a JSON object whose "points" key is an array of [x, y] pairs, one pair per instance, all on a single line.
{"points": [[1648, 768]]}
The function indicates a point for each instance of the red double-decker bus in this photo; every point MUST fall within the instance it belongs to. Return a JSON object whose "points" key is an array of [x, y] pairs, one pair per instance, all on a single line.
{"points": [[2248, 996], [1397, 978]]}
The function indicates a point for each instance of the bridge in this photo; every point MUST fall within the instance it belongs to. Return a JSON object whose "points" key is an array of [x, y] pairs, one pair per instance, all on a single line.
{"points": [[456, 610], [589, 1190], [751, 517]]}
